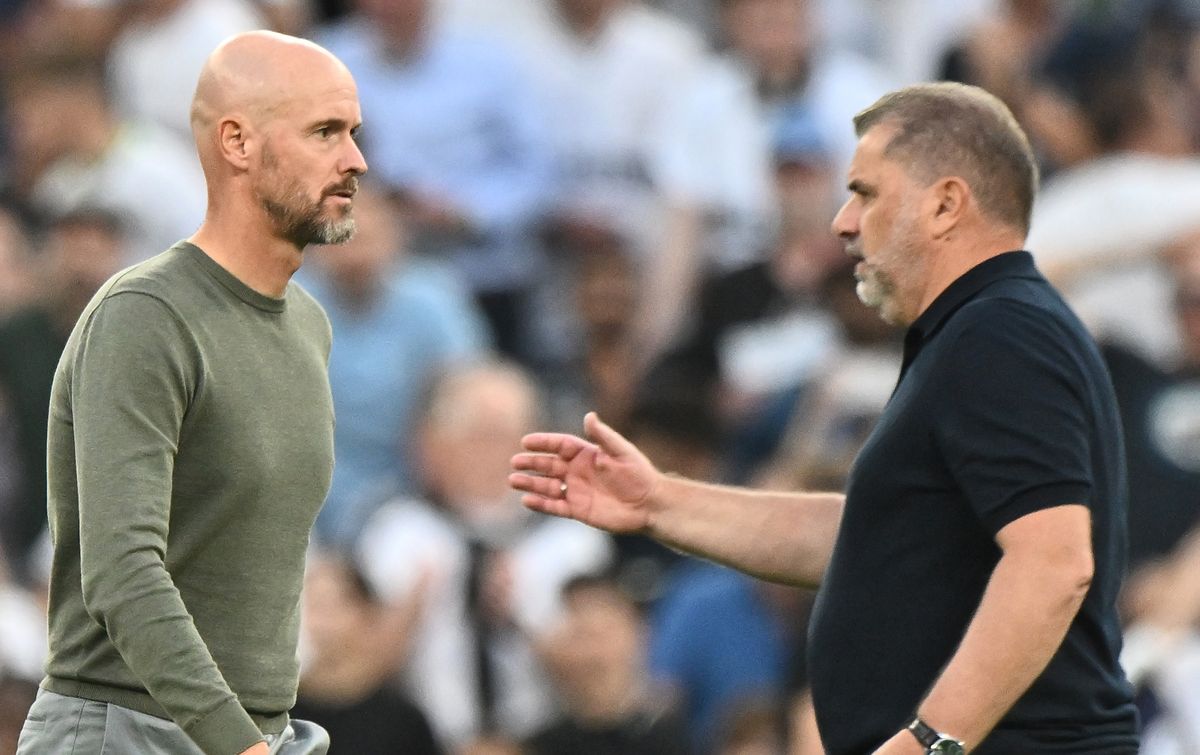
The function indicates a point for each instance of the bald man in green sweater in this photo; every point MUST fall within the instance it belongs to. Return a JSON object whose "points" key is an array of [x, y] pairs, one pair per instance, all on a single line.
{"points": [[191, 437]]}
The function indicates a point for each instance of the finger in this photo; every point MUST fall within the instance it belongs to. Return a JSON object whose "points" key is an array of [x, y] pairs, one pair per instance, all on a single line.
{"points": [[542, 464], [546, 487], [559, 444], [613, 443], [552, 506]]}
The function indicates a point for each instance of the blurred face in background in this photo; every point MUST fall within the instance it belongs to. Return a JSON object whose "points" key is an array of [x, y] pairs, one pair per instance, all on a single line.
{"points": [[771, 34], [82, 252], [586, 15], [474, 425], [47, 119], [607, 290], [596, 654], [401, 22]]}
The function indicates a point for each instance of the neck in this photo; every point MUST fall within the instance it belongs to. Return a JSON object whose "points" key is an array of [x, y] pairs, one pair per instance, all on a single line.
{"points": [[249, 251], [949, 264]]}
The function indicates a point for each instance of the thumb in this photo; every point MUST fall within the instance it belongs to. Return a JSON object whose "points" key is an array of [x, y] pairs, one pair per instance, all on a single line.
{"points": [[610, 441]]}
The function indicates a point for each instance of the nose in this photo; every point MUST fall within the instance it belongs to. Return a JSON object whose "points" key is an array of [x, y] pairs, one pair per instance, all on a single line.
{"points": [[354, 162], [845, 223]]}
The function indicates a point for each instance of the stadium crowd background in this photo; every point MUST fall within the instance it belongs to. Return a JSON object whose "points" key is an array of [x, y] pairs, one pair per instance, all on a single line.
{"points": [[618, 205]]}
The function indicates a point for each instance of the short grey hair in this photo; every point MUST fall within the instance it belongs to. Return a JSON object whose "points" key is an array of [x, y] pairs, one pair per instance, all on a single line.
{"points": [[947, 128]]}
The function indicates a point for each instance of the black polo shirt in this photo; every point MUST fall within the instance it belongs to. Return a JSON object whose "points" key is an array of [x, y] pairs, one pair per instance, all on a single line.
{"points": [[1003, 408]]}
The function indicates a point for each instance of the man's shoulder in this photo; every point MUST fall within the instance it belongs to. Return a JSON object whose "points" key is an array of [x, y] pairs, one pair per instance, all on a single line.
{"points": [[163, 276], [1016, 309]]}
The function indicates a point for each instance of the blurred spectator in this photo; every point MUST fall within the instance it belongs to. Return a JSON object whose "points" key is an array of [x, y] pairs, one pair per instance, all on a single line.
{"points": [[1004, 50], [1098, 225], [353, 643], [85, 27], [725, 642], [156, 58], [762, 332], [701, 15], [800, 75], [614, 71], [23, 648], [397, 320], [494, 569], [673, 420], [1162, 649], [454, 128], [838, 409], [755, 727], [904, 37], [71, 151], [605, 290], [597, 655], [1160, 409], [524, 25], [17, 284], [23, 643], [663, 142], [16, 695], [81, 250], [715, 176]]}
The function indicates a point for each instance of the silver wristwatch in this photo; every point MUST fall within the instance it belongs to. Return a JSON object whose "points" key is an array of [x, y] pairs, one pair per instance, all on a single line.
{"points": [[935, 742]]}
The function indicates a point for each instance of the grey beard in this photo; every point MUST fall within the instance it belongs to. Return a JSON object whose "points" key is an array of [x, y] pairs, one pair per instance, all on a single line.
{"points": [[304, 228]]}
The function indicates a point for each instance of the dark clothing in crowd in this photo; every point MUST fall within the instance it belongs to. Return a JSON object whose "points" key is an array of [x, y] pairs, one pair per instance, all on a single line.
{"points": [[30, 346], [643, 734], [384, 723], [1164, 469], [1003, 408]]}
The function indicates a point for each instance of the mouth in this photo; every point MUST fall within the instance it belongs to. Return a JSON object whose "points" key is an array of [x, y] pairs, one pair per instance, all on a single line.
{"points": [[345, 191]]}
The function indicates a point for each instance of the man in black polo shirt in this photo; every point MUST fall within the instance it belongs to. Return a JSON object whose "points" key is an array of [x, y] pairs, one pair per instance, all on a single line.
{"points": [[969, 573]]}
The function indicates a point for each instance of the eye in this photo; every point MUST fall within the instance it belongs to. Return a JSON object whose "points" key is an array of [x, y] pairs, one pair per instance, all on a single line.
{"points": [[324, 131]]}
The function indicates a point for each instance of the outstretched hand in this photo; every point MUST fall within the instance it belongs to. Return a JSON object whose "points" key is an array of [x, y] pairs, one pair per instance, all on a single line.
{"points": [[604, 481]]}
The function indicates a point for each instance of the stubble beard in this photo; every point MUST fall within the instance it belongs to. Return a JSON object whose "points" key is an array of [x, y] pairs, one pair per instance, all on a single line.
{"points": [[879, 289], [299, 219]]}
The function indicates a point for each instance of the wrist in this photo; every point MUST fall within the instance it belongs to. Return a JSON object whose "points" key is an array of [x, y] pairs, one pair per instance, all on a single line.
{"points": [[934, 741], [656, 500]]}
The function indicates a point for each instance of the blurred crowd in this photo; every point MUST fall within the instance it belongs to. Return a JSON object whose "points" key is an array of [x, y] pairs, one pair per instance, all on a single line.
{"points": [[619, 205]]}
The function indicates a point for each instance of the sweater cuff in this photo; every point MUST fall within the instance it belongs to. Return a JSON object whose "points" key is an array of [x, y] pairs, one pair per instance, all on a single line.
{"points": [[228, 730]]}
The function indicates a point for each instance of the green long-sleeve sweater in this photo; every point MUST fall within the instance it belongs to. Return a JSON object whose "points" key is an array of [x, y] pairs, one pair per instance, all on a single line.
{"points": [[190, 447]]}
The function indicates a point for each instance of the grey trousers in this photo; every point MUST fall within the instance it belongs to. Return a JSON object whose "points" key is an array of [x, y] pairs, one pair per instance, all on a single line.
{"points": [[60, 725]]}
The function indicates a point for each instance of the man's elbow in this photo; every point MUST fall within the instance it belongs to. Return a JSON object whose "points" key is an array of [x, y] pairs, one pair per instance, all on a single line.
{"points": [[1076, 572]]}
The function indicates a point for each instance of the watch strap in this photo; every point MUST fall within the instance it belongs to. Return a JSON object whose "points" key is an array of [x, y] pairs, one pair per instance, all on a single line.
{"points": [[925, 734]]}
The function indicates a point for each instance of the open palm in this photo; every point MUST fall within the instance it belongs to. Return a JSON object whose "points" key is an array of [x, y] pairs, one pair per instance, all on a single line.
{"points": [[608, 480]]}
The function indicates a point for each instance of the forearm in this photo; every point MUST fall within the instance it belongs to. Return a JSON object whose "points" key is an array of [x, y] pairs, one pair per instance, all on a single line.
{"points": [[781, 537], [1021, 621]]}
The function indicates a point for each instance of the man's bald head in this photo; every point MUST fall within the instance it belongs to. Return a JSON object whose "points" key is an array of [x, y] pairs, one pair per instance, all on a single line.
{"points": [[256, 73]]}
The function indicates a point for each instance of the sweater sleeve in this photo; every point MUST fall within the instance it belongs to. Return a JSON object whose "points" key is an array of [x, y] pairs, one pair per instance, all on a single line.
{"points": [[135, 371]]}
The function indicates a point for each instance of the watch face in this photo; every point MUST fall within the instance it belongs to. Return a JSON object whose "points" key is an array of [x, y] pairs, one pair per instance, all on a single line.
{"points": [[946, 747]]}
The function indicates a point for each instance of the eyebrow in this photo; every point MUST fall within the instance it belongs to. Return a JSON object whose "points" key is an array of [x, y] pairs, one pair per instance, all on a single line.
{"points": [[338, 125], [856, 186]]}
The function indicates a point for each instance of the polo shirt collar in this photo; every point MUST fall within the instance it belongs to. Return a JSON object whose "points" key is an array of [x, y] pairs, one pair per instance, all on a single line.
{"points": [[1018, 264]]}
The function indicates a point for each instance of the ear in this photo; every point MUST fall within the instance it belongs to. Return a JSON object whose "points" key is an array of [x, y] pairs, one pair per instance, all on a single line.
{"points": [[950, 197], [234, 140]]}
